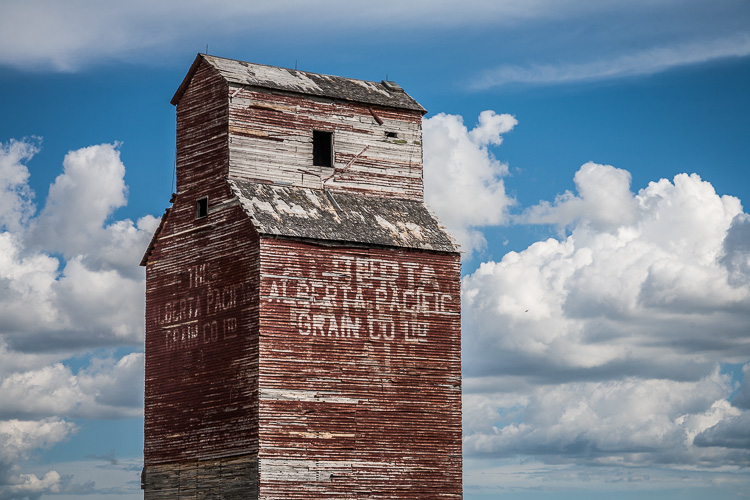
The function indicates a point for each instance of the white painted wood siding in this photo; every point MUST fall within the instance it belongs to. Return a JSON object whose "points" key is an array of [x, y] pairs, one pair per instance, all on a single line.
{"points": [[270, 140]]}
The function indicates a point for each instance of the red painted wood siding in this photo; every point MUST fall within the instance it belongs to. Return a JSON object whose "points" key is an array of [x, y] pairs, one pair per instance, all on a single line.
{"points": [[279, 368], [202, 335], [359, 373], [202, 132]]}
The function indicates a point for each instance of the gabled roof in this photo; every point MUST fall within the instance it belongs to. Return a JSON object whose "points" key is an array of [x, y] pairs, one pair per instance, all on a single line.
{"points": [[387, 94], [337, 216]]}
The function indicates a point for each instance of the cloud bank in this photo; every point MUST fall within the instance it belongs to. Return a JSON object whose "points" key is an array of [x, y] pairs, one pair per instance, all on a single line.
{"points": [[606, 346], [583, 40], [17, 439], [67, 37], [69, 283]]}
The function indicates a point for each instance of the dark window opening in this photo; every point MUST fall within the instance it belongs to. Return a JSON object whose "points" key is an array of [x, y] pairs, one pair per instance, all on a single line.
{"points": [[391, 135], [322, 148], [201, 208]]}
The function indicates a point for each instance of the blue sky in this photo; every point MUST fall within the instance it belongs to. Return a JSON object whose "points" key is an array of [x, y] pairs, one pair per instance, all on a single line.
{"points": [[592, 157]]}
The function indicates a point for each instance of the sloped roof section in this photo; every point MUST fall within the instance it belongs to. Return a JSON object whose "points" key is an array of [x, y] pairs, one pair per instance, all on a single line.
{"points": [[387, 94], [341, 217]]}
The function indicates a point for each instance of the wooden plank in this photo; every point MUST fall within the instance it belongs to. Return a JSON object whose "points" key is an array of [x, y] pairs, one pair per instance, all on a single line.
{"points": [[271, 139]]}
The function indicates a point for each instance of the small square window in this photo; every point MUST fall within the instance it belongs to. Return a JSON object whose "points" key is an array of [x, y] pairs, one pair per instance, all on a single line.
{"points": [[322, 148], [201, 207]]}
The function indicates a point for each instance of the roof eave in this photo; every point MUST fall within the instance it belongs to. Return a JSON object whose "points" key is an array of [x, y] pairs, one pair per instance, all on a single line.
{"points": [[186, 81], [155, 237]]}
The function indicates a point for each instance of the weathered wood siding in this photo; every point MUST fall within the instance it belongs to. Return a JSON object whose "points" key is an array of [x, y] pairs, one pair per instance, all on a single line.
{"points": [[270, 140], [288, 354], [359, 373], [202, 132], [234, 478], [201, 334]]}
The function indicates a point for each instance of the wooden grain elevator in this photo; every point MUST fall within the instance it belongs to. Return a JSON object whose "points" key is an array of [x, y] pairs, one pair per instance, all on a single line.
{"points": [[302, 304]]}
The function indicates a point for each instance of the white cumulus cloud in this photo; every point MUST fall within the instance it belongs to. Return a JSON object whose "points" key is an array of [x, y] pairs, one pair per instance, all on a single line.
{"points": [[16, 206], [81, 199], [604, 200], [107, 388], [19, 438], [463, 180], [69, 283], [94, 296], [616, 329], [630, 421]]}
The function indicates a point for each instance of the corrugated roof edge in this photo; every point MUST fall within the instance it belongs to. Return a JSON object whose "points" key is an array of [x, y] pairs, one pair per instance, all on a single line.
{"points": [[408, 103]]}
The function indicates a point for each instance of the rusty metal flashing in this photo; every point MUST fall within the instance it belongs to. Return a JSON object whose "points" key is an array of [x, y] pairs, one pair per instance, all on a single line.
{"points": [[375, 115], [302, 82], [307, 213]]}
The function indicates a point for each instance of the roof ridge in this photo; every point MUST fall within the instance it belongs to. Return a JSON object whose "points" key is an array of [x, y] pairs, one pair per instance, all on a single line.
{"points": [[295, 69], [297, 81]]}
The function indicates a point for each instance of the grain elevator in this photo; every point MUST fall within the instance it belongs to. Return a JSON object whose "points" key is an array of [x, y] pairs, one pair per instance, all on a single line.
{"points": [[302, 303]]}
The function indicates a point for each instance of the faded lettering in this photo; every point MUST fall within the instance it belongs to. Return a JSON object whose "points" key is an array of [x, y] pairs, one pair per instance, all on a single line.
{"points": [[360, 298], [200, 314]]}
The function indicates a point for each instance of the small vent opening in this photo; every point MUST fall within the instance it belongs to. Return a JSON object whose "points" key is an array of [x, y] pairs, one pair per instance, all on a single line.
{"points": [[322, 148], [201, 207], [391, 135]]}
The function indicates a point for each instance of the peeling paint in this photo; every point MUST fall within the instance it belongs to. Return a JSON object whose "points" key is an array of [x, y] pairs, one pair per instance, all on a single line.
{"points": [[309, 213], [302, 343]]}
